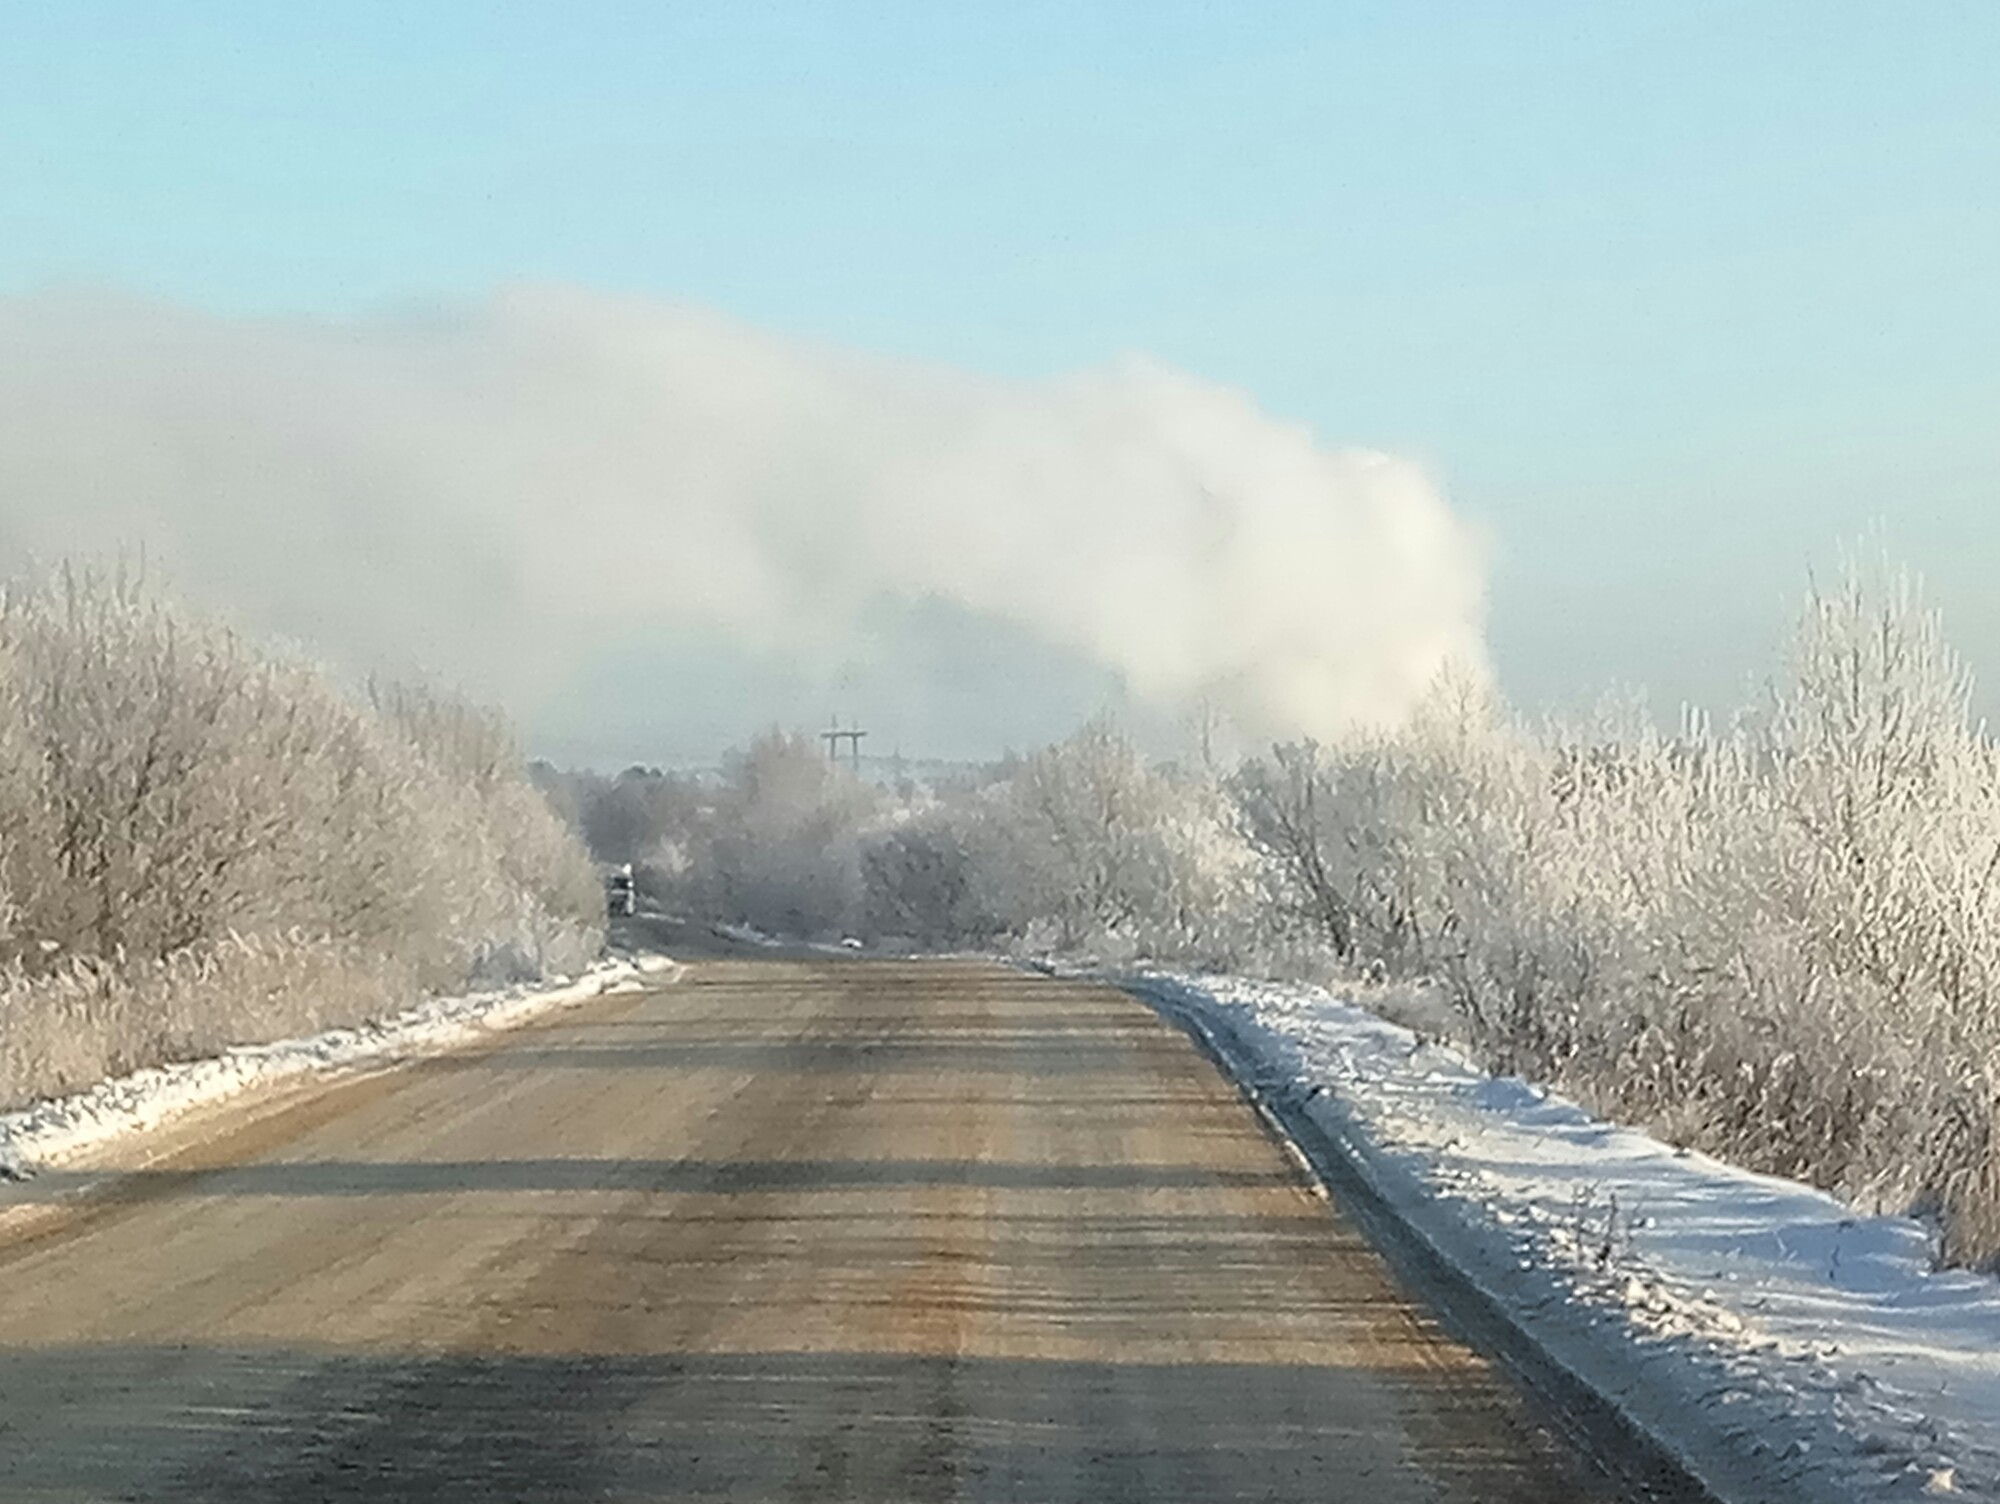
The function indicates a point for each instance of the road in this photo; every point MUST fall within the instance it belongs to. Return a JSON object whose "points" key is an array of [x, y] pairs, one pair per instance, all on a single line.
{"points": [[782, 1230]]}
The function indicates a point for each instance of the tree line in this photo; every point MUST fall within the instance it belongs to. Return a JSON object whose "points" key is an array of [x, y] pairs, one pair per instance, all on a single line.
{"points": [[206, 840]]}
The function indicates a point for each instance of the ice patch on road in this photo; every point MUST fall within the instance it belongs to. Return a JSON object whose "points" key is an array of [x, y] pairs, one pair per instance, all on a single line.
{"points": [[1781, 1345], [59, 1127]]}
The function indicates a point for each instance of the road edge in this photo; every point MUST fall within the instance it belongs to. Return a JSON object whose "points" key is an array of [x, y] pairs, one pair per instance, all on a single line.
{"points": [[128, 1107], [1624, 1451]]}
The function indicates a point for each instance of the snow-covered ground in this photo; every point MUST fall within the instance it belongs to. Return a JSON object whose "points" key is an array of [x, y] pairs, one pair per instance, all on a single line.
{"points": [[52, 1130], [1782, 1347]]}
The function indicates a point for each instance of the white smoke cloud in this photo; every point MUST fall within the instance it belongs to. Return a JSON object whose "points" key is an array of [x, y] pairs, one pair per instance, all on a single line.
{"points": [[511, 493]]}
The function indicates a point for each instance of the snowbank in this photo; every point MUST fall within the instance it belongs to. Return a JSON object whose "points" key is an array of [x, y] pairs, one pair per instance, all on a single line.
{"points": [[1776, 1344], [63, 1126]]}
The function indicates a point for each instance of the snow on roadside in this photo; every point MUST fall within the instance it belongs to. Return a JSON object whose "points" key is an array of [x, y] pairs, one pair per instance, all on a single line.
{"points": [[53, 1129], [749, 934], [1777, 1343]]}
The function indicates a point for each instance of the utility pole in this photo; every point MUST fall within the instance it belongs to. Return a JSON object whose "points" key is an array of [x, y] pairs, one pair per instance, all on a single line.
{"points": [[835, 735]]}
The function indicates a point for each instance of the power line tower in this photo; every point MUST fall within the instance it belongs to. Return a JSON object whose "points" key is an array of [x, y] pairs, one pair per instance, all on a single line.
{"points": [[834, 735]]}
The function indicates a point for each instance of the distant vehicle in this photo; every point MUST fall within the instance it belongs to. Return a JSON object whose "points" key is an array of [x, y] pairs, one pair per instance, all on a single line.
{"points": [[620, 897]]}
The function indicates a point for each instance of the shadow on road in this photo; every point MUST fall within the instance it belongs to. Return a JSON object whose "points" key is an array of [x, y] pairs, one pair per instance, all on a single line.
{"points": [[285, 1425], [1059, 1055], [694, 1177]]}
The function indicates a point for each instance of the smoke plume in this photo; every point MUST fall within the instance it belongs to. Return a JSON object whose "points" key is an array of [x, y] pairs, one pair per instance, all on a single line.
{"points": [[519, 492]]}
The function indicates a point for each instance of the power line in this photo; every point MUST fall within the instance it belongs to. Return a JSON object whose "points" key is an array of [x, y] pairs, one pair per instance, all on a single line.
{"points": [[836, 734]]}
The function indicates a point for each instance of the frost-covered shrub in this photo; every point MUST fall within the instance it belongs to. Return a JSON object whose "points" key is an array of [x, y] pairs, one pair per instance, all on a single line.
{"points": [[519, 888], [1790, 928], [1779, 941], [1384, 845], [653, 820], [1085, 844], [785, 850], [1082, 844], [1880, 867], [174, 796], [922, 885]]}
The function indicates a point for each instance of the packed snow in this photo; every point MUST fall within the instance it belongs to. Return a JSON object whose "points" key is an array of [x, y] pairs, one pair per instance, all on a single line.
{"points": [[61, 1127], [1779, 1345]]}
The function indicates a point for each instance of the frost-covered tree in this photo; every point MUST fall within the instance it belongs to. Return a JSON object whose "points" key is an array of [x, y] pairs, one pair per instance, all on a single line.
{"points": [[785, 855], [643, 815], [1084, 843], [922, 885]]}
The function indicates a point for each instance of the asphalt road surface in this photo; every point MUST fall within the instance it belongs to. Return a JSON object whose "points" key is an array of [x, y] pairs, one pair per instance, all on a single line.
{"points": [[781, 1230]]}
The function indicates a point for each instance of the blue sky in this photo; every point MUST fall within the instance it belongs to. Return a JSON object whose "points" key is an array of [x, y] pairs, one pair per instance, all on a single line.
{"points": [[1673, 297]]}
